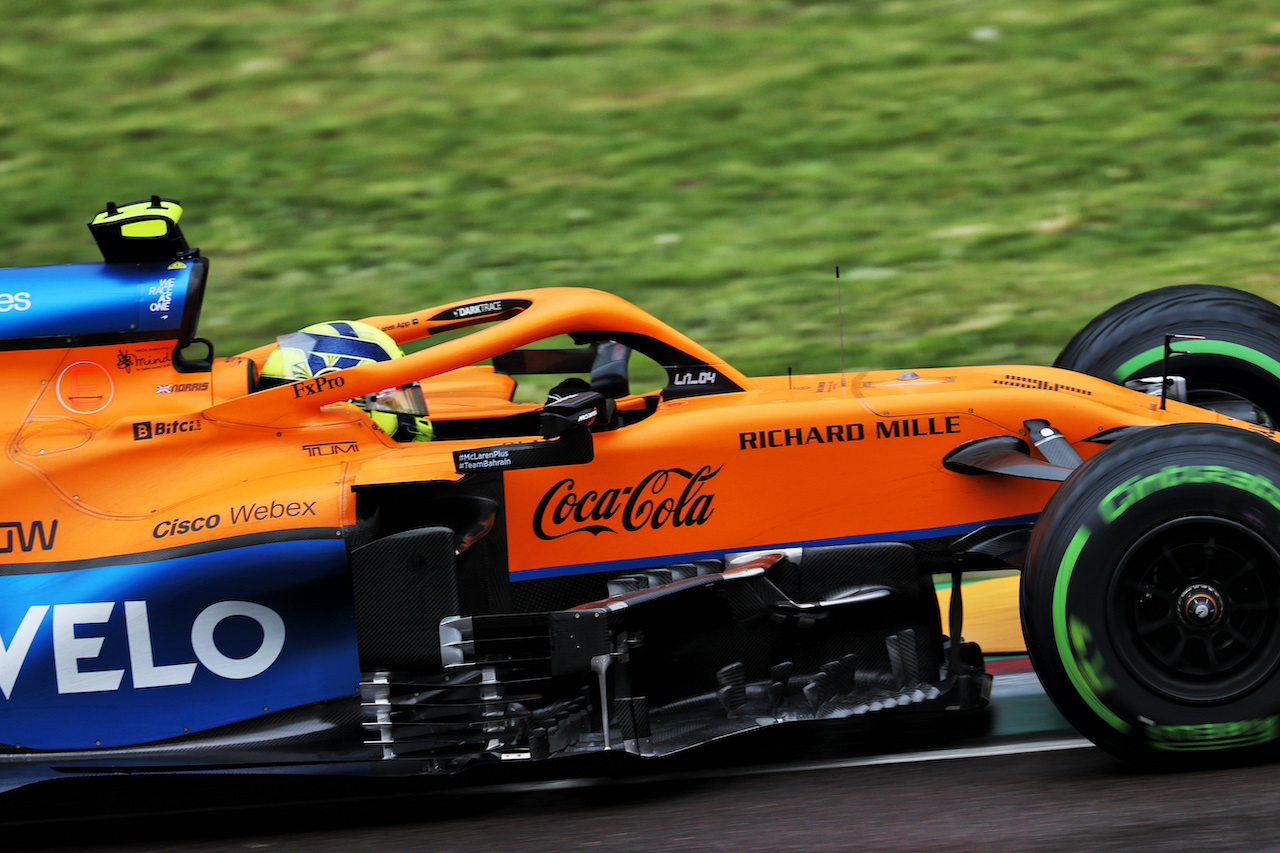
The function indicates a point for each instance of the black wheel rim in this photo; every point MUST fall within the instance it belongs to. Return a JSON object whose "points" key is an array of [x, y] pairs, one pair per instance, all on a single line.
{"points": [[1193, 610]]}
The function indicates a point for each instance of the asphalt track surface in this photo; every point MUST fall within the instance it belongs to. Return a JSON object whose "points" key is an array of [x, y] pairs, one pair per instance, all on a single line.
{"points": [[1011, 779]]}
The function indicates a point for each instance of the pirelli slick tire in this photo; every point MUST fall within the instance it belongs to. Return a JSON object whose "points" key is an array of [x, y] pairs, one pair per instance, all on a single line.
{"points": [[1235, 369], [1151, 597]]}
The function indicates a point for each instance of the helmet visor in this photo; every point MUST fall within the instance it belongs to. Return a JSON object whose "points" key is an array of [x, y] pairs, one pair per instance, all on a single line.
{"points": [[405, 400]]}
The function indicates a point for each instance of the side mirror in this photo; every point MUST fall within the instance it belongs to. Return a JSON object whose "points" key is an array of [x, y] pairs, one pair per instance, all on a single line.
{"points": [[609, 372], [574, 412], [200, 364]]}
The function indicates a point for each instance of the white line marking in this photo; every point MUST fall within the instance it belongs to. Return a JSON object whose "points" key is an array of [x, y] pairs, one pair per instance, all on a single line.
{"points": [[934, 755], [768, 770], [903, 758]]}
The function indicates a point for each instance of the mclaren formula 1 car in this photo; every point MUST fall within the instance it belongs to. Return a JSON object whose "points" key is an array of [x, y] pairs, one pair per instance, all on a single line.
{"points": [[200, 571]]}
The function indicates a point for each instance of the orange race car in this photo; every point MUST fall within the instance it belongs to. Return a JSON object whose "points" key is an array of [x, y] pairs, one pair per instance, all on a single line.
{"points": [[240, 562]]}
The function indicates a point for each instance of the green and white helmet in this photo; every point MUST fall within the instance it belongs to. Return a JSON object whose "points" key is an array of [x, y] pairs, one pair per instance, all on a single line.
{"points": [[328, 347]]}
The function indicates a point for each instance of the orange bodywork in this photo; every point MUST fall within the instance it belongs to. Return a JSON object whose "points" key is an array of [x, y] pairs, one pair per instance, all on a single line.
{"points": [[130, 456]]}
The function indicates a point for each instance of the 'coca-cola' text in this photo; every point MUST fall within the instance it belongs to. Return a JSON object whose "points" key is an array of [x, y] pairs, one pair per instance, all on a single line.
{"points": [[666, 497]]}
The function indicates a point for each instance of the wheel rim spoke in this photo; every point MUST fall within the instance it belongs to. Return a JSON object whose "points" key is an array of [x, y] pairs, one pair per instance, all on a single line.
{"points": [[1210, 652], [1149, 590], [1152, 627], [1237, 635], [1253, 606], [1247, 568], [1210, 553], [1175, 656], [1172, 562]]}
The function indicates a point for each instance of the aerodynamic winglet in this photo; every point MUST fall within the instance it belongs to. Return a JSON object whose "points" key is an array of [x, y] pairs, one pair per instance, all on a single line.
{"points": [[1002, 454]]}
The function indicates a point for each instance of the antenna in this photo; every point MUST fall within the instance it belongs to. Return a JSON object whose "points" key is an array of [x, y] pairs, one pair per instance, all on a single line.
{"points": [[840, 311], [1166, 381]]}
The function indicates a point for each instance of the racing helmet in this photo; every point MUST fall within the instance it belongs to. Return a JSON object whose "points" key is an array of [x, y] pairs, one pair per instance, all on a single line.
{"points": [[328, 347]]}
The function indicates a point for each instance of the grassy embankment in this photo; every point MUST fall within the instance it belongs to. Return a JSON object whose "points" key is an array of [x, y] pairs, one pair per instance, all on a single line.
{"points": [[987, 175]]}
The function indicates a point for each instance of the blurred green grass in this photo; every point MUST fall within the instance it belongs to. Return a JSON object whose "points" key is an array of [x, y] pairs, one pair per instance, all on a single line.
{"points": [[986, 175]]}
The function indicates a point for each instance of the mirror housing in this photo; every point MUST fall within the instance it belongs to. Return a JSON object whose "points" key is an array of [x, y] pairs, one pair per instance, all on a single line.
{"points": [[574, 412]]}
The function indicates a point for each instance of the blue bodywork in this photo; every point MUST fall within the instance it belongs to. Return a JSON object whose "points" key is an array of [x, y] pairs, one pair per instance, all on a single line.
{"points": [[125, 654], [99, 302]]}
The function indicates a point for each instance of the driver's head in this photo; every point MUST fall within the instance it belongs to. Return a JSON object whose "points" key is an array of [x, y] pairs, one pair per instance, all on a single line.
{"points": [[327, 347], [323, 348]]}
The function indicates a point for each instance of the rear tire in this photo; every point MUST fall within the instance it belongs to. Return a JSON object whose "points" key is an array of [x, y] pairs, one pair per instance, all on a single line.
{"points": [[1151, 597], [1235, 370]]}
